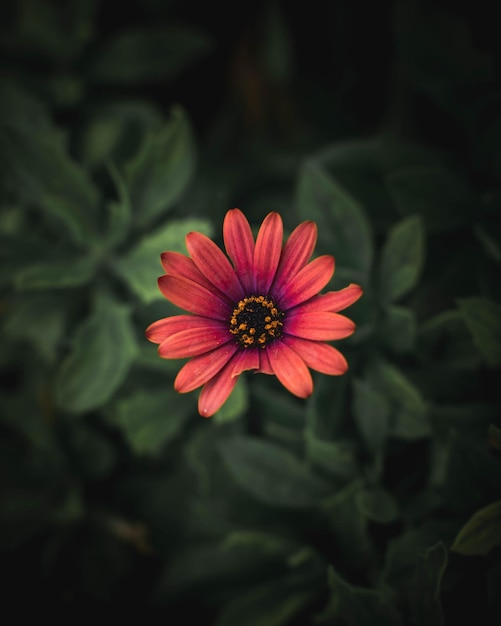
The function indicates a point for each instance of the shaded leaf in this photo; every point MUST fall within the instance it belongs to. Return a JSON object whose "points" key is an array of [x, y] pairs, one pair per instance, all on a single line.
{"points": [[481, 533], [271, 474], [356, 606], [146, 55], [398, 329], [426, 604], [235, 406], [337, 458], [402, 259], [272, 603], [56, 274], [149, 420], [483, 318], [441, 197], [141, 267], [377, 505], [102, 350], [159, 173], [43, 175], [343, 227], [371, 410]]}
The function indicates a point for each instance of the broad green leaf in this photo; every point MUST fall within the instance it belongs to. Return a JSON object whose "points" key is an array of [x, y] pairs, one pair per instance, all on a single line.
{"points": [[409, 410], [159, 173], [337, 458], [425, 590], [273, 603], [120, 211], [344, 229], [151, 419], [102, 351], [377, 505], [483, 318], [402, 259], [481, 533], [39, 318], [235, 406], [42, 174], [371, 411], [271, 474], [356, 606], [141, 267], [56, 274], [149, 54], [398, 329], [441, 197]]}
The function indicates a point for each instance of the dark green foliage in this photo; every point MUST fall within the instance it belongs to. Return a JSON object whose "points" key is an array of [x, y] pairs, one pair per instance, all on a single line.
{"points": [[377, 500]]}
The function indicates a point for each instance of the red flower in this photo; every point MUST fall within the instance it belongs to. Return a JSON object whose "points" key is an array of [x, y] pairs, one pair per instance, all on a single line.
{"points": [[262, 313]]}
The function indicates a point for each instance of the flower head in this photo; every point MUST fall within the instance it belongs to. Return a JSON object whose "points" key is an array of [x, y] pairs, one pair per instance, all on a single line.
{"points": [[262, 311]]}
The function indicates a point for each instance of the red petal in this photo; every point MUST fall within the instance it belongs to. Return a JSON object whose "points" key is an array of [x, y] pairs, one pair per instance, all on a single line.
{"points": [[296, 254], [215, 393], [194, 298], [319, 356], [290, 369], [332, 301], [239, 244], [214, 265], [264, 363], [202, 368], [178, 264], [267, 252], [307, 283], [194, 341], [322, 326], [160, 330]]}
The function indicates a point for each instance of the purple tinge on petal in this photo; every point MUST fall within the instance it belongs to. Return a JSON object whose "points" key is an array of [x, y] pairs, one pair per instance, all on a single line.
{"points": [[290, 369], [321, 326], [307, 283], [296, 253], [194, 298], [195, 341], [239, 244], [161, 329], [214, 265], [264, 362], [267, 252], [217, 390], [202, 368], [319, 356]]}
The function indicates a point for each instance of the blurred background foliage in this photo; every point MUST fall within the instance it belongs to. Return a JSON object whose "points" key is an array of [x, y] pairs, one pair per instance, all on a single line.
{"points": [[378, 500]]}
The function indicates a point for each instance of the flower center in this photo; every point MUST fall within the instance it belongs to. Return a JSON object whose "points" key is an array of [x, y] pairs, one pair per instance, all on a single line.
{"points": [[256, 321]]}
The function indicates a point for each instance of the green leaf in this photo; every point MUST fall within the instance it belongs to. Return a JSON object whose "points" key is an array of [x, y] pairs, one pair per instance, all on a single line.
{"points": [[344, 229], [371, 411], [36, 165], [481, 533], [409, 410], [398, 329], [272, 474], [159, 173], [235, 406], [141, 267], [273, 603], [402, 259], [120, 212], [337, 458], [263, 542], [356, 606], [56, 274], [147, 55], [483, 318], [39, 318], [441, 197], [425, 589], [151, 419], [102, 351], [377, 505]]}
